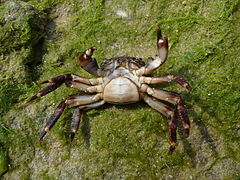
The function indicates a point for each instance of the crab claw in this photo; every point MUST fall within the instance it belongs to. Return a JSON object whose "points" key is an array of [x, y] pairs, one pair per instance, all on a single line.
{"points": [[90, 51], [88, 63], [85, 57], [162, 44]]}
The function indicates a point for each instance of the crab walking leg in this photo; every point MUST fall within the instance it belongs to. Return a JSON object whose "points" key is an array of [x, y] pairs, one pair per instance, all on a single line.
{"points": [[88, 63], [169, 113], [154, 63], [77, 115], [83, 84], [45, 91], [59, 79], [92, 106], [75, 101], [85, 87], [167, 78], [72, 102], [75, 123], [172, 130], [72, 77], [53, 119], [182, 110], [174, 99]]}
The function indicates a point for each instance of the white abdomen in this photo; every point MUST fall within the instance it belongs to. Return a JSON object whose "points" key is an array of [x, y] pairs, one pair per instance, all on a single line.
{"points": [[120, 91]]}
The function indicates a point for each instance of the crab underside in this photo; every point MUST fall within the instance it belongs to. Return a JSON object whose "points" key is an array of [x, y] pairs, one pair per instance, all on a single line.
{"points": [[121, 80]]}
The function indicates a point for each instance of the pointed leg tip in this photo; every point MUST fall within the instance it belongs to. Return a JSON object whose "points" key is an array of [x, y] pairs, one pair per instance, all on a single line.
{"points": [[171, 149], [91, 50], [189, 87], [186, 136], [43, 133], [186, 133], [43, 82], [159, 33], [71, 136], [32, 98]]}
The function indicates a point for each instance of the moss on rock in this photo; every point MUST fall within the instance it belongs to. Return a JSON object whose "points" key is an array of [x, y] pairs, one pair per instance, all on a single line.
{"points": [[21, 26], [3, 160], [130, 141]]}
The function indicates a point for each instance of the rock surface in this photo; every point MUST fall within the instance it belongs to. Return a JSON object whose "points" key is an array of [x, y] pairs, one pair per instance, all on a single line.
{"points": [[41, 39]]}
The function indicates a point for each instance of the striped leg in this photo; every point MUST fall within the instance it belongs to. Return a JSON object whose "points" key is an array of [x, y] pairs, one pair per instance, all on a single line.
{"points": [[167, 78], [57, 81], [77, 116], [72, 77], [172, 129], [53, 119], [45, 91], [85, 87], [174, 99], [168, 112], [72, 101]]}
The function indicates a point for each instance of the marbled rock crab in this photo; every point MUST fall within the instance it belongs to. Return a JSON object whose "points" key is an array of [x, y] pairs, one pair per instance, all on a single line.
{"points": [[121, 80]]}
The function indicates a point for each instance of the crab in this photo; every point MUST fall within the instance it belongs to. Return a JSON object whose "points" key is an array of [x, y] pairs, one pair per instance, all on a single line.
{"points": [[121, 80]]}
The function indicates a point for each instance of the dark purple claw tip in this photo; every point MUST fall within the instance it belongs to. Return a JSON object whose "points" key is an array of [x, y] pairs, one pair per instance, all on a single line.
{"points": [[72, 135], [42, 135], [159, 33], [171, 149], [189, 87], [43, 82], [93, 48], [186, 133], [32, 98]]}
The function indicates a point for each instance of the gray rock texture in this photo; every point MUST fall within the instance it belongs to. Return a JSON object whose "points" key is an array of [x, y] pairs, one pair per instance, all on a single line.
{"points": [[41, 39]]}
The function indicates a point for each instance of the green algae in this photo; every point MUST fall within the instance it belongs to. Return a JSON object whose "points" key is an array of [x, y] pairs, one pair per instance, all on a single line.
{"points": [[19, 21], [4, 161], [122, 142]]}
